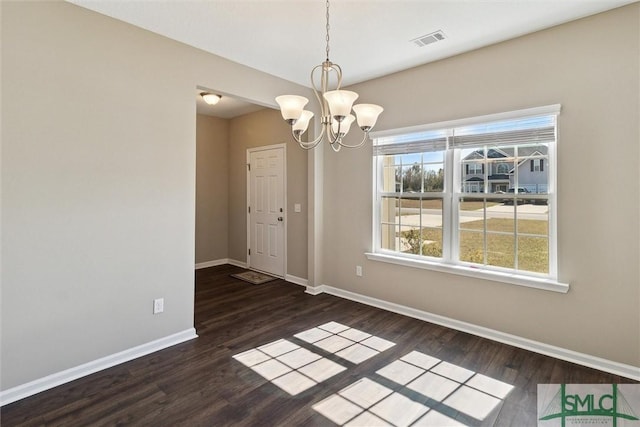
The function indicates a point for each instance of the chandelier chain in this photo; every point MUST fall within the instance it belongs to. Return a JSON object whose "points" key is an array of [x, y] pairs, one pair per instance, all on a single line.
{"points": [[335, 107], [327, 30]]}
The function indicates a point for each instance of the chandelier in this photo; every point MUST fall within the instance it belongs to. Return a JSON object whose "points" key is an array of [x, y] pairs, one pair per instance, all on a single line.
{"points": [[335, 108]]}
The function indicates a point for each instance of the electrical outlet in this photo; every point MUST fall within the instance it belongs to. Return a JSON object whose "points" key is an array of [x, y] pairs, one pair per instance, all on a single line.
{"points": [[158, 305], [359, 270]]}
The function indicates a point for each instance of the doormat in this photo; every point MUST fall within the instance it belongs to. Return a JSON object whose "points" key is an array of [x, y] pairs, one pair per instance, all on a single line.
{"points": [[254, 277]]}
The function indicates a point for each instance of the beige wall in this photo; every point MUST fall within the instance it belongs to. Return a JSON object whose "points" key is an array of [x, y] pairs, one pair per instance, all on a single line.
{"points": [[98, 183], [596, 79], [212, 188], [221, 187], [99, 193], [262, 128]]}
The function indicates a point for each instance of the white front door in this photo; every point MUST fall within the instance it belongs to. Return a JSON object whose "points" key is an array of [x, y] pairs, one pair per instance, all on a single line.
{"points": [[266, 198]]}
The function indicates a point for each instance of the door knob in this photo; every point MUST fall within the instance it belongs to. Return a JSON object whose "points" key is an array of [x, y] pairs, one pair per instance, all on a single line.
{"points": [[280, 218]]}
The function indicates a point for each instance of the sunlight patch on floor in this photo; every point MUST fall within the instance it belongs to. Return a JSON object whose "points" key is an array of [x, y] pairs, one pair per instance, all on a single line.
{"points": [[415, 390], [425, 382], [295, 369], [350, 344], [292, 368]]}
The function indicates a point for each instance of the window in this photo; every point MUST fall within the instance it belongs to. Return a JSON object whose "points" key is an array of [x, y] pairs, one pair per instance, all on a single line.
{"points": [[474, 168], [474, 194], [502, 168], [537, 165]]}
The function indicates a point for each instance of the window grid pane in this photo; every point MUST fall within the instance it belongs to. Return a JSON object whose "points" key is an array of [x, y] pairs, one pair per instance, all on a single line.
{"points": [[501, 250], [411, 225], [433, 177], [389, 207], [431, 215], [507, 228], [472, 246], [388, 238], [493, 234], [533, 254]]}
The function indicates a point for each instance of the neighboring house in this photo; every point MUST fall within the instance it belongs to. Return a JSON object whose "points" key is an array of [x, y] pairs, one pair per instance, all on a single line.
{"points": [[501, 173]]}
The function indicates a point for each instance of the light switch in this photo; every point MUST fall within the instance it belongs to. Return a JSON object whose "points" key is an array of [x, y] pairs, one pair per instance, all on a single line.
{"points": [[297, 207]]}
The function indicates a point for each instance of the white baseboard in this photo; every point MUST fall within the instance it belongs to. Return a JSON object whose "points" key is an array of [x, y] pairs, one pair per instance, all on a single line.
{"points": [[53, 380], [621, 369], [295, 279], [213, 263], [315, 290], [241, 264], [221, 261]]}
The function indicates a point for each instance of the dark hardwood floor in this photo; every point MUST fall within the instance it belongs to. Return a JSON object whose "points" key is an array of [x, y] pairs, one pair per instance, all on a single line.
{"points": [[199, 383]]}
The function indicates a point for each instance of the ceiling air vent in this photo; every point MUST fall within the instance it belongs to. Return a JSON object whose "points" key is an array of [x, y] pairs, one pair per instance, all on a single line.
{"points": [[429, 38]]}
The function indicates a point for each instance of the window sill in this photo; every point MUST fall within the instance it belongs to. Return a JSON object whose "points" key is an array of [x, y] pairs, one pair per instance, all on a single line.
{"points": [[514, 279]]}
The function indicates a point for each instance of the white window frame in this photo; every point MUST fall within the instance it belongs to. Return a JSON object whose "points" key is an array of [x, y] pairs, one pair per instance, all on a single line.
{"points": [[450, 216]]}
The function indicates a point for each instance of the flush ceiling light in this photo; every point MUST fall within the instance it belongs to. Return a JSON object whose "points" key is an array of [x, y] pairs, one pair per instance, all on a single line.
{"points": [[335, 108], [210, 98]]}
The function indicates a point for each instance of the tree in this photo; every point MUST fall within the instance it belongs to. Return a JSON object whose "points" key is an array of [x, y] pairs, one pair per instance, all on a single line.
{"points": [[434, 181], [414, 179], [411, 178]]}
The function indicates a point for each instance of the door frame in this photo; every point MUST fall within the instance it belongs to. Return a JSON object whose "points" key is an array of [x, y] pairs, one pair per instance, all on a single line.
{"points": [[284, 195]]}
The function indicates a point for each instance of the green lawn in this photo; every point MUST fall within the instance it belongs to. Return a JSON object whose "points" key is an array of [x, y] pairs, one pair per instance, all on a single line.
{"points": [[533, 251], [475, 205], [416, 203], [506, 225]]}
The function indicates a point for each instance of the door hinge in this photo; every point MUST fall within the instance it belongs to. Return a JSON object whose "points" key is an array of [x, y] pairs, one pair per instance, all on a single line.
{"points": [[249, 251], [249, 166], [249, 207]]}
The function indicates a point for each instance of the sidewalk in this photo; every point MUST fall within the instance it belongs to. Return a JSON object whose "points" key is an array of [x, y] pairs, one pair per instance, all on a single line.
{"points": [[534, 212]]}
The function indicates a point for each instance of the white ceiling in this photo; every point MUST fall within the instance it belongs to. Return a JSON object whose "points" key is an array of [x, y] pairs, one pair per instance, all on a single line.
{"points": [[368, 38]]}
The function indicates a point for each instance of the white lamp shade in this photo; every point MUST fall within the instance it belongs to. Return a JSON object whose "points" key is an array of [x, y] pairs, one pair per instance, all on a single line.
{"points": [[291, 106], [344, 125], [340, 102], [367, 115], [210, 98], [303, 122]]}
